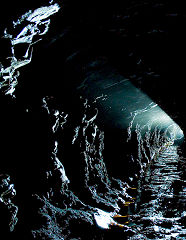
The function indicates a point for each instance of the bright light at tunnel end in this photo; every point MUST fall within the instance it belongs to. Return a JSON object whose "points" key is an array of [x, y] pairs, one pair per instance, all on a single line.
{"points": [[177, 134]]}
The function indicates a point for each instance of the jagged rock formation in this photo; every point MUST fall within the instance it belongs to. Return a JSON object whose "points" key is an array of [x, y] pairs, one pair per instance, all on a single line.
{"points": [[7, 207]]}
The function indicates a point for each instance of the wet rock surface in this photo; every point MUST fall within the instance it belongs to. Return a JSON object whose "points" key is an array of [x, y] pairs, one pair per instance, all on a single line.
{"points": [[160, 206]]}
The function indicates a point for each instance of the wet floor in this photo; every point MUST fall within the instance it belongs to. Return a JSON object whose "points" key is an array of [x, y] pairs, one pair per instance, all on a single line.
{"points": [[160, 208]]}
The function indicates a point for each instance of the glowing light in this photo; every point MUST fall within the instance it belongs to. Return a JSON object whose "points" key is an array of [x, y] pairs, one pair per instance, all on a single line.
{"points": [[104, 219]]}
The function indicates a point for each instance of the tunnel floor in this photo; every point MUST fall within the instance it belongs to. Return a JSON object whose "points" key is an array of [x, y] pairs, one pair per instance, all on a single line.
{"points": [[159, 210]]}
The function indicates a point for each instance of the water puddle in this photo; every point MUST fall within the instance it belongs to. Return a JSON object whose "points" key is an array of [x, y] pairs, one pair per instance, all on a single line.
{"points": [[159, 210]]}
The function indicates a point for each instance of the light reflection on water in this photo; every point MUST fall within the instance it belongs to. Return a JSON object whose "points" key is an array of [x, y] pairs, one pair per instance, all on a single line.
{"points": [[159, 211]]}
